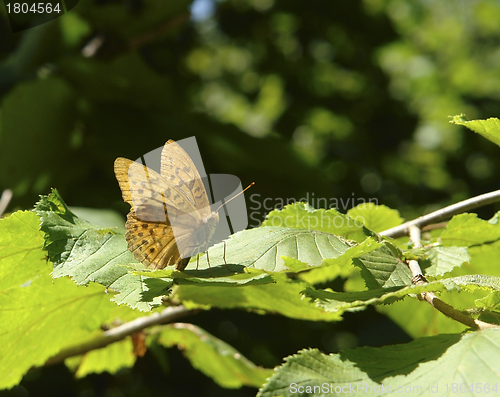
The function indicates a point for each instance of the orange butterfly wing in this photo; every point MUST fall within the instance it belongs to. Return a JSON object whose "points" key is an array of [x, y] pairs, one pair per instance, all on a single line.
{"points": [[176, 201]]}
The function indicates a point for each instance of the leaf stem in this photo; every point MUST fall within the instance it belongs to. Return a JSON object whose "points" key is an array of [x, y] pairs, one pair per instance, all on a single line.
{"points": [[115, 334], [431, 298], [443, 213]]}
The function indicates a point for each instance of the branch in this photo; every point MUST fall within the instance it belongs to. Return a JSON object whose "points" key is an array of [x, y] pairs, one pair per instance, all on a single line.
{"points": [[115, 334], [96, 44], [170, 25], [431, 298], [443, 213]]}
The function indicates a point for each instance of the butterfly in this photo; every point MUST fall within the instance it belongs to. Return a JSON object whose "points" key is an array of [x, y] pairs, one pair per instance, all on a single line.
{"points": [[170, 218]]}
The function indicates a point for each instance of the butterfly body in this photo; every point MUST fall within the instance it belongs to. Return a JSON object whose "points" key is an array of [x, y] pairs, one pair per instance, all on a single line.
{"points": [[170, 217], [207, 229]]}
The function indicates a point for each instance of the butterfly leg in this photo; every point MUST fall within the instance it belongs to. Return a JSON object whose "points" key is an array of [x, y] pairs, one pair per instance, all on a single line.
{"points": [[209, 267], [182, 264], [224, 256]]}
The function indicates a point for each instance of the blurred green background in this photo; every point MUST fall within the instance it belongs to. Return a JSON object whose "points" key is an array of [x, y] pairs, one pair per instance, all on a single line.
{"points": [[345, 100]]}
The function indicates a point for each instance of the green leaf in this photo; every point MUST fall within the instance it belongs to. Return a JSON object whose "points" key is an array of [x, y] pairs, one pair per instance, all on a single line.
{"points": [[490, 302], [110, 359], [340, 266], [422, 320], [20, 247], [284, 297], [41, 318], [424, 366], [489, 128], [257, 251], [295, 266], [303, 216], [263, 248], [384, 268], [189, 277], [215, 358], [375, 217], [353, 301], [483, 259], [479, 280], [444, 259], [38, 315], [268, 248], [468, 229], [419, 319], [87, 253]]}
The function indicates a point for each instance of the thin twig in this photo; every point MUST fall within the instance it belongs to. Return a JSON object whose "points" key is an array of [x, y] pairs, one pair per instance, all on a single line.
{"points": [[115, 334], [170, 25], [444, 213], [415, 236], [431, 298], [95, 45], [434, 226]]}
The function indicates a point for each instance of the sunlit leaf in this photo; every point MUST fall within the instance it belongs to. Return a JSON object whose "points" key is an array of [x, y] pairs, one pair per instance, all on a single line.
{"points": [[375, 217], [263, 248], [87, 252], [489, 128], [384, 268], [444, 259], [110, 359], [283, 297], [439, 364], [39, 315], [468, 229], [213, 357], [303, 216]]}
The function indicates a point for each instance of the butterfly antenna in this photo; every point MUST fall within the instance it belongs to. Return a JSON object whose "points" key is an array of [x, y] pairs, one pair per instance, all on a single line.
{"points": [[222, 205]]}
